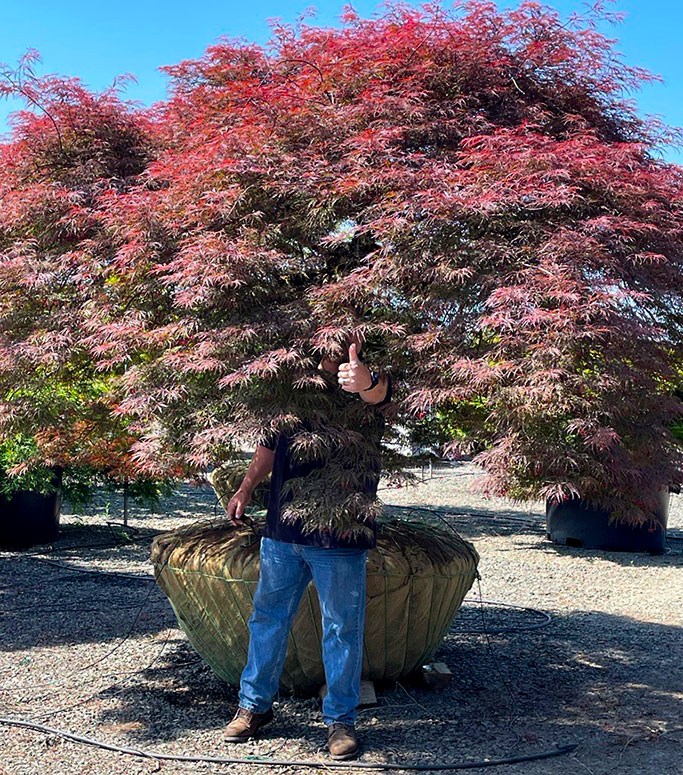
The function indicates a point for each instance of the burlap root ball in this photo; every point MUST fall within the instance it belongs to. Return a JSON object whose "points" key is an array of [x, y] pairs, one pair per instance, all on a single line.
{"points": [[417, 578]]}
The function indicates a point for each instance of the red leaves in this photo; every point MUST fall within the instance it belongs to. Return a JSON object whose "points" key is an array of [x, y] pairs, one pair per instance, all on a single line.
{"points": [[467, 190], [265, 367]]}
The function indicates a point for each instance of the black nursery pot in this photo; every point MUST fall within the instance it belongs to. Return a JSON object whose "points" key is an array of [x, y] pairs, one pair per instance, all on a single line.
{"points": [[574, 523], [28, 517]]}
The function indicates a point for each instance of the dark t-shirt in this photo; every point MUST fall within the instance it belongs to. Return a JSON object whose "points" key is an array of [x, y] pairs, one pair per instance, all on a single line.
{"points": [[285, 468]]}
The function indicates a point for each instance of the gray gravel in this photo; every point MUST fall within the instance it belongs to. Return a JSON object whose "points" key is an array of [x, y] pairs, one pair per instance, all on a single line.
{"points": [[102, 655]]}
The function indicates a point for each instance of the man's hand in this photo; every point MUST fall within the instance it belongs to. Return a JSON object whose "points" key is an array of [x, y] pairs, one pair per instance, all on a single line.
{"points": [[354, 376], [236, 506]]}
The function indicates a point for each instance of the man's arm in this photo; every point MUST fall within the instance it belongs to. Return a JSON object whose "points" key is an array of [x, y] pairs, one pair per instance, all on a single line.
{"points": [[260, 466]]}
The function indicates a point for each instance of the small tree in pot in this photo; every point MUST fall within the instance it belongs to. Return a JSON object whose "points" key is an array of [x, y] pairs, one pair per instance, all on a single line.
{"points": [[61, 430]]}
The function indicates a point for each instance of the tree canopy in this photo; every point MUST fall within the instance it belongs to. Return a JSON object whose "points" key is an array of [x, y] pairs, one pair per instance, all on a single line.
{"points": [[471, 190]]}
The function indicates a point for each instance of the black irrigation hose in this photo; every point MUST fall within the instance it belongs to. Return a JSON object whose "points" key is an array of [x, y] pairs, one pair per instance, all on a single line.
{"points": [[547, 618], [129, 539], [475, 558], [130, 629], [55, 549], [561, 749], [87, 699], [80, 609], [121, 642]]}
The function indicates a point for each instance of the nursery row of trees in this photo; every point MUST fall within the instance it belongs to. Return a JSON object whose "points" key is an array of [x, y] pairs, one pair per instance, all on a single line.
{"points": [[471, 190]]}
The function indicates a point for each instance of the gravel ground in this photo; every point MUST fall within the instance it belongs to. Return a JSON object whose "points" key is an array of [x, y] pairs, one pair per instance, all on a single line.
{"points": [[581, 647]]}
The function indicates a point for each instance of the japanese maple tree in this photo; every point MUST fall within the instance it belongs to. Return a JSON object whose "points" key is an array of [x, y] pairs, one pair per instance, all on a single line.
{"points": [[470, 189], [58, 407]]}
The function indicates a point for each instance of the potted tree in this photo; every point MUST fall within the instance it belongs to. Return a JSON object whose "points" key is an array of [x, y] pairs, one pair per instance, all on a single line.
{"points": [[496, 226], [62, 430], [33, 487], [417, 578], [29, 503], [573, 521], [499, 228]]}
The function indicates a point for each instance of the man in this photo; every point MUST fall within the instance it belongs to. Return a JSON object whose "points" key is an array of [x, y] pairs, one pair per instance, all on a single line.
{"points": [[289, 559]]}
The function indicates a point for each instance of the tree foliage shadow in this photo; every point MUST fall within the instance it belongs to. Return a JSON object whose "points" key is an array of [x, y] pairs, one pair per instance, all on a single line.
{"points": [[601, 680], [475, 523]]}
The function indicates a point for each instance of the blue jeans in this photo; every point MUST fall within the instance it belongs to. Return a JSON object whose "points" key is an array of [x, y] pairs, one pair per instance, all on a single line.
{"points": [[339, 578]]}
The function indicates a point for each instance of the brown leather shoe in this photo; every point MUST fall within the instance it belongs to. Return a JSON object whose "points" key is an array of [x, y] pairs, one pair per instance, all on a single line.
{"points": [[342, 741], [245, 724]]}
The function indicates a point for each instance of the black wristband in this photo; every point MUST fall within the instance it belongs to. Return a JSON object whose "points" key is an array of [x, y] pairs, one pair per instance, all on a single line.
{"points": [[375, 381]]}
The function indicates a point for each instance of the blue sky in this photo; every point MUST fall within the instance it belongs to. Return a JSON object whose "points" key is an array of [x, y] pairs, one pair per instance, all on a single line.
{"points": [[98, 41]]}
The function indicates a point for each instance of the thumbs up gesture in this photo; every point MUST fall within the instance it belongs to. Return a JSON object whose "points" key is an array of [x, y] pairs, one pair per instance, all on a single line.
{"points": [[354, 376]]}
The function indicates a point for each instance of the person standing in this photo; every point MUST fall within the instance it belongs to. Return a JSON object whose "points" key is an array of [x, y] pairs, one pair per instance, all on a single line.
{"points": [[289, 558]]}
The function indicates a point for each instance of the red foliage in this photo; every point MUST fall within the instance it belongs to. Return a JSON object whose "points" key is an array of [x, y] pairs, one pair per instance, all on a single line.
{"points": [[471, 190], [53, 255]]}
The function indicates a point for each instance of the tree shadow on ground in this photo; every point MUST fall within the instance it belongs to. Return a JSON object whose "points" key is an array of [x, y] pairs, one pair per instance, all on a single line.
{"points": [[43, 603], [600, 680], [475, 523], [609, 682], [35, 596], [187, 500], [55, 607]]}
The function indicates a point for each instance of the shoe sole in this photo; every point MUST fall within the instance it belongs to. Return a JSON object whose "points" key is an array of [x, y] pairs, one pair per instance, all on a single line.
{"points": [[351, 755]]}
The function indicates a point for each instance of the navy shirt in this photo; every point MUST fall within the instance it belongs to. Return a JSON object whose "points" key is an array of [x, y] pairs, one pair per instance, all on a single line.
{"points": [[285, 468]]}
